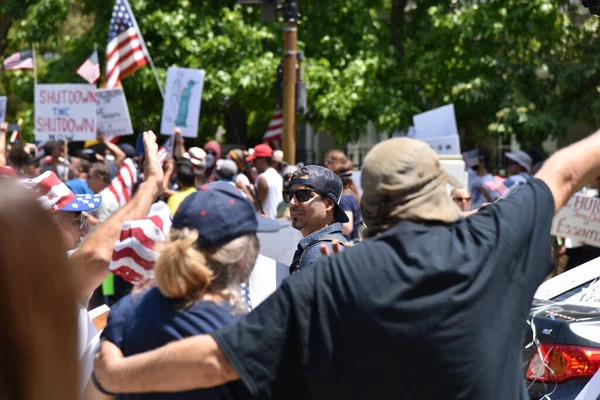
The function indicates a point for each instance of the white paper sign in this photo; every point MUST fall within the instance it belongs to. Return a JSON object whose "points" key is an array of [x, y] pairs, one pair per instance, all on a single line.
{"points": [[281, 245], [449, 145], [65, 112], [3, 102], [112, 113], [435, 123], [181, 108], [579, 220], [265, 278]]}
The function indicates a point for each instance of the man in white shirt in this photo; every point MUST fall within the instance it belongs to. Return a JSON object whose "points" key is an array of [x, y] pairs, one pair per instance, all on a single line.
{"points": [[269, 184]]}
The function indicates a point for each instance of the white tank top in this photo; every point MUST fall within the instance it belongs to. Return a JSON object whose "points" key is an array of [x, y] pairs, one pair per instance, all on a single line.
{"points": [[275, 194]]}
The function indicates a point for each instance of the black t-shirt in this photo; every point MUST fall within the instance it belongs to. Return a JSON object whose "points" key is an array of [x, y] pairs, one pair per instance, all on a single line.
{"points": [[420, 312], [144, 322]]}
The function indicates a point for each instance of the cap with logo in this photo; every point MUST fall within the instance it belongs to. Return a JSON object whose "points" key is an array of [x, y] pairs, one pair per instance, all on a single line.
{"points": [[323, 181]]}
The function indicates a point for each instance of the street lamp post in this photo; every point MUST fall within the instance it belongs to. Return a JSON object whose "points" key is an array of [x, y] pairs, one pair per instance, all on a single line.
{"points": [[290, 29]]}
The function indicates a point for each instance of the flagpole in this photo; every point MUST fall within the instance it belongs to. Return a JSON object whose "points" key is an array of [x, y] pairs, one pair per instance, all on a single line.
{"points": [[146, 52], [34, 66]]}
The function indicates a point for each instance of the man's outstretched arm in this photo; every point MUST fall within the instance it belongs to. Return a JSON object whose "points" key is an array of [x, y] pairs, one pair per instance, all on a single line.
{"points": [[188, 364]]}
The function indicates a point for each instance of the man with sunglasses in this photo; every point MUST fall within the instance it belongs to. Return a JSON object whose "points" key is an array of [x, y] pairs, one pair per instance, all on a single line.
{"points": [[313, 195]]}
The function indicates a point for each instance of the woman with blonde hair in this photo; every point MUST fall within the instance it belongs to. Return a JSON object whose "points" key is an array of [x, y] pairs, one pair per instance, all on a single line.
{"points": [[38, 334], [212, 249]]}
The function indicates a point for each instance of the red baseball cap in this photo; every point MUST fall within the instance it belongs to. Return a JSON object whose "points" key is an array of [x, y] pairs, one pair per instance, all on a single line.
{"points": [[261, 150]]}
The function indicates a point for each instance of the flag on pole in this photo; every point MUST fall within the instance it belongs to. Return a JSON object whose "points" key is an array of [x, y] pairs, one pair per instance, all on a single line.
{"points": [[125, 52], [274, 131], [20, 60], [471, 158], [122, 185], [165, 152], [90, 69]]}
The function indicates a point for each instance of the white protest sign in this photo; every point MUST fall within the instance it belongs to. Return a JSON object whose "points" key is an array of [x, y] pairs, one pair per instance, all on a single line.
{"points": [[181, 108], [112, 113], [438, 122], [455, 169], [65, 112], [579, 220], [449, 145], [3, 102], [265, 278], [281, 245]]}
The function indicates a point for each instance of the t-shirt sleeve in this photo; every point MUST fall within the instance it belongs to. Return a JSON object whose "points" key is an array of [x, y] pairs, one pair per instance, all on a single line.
{"points": [[268, 347]]}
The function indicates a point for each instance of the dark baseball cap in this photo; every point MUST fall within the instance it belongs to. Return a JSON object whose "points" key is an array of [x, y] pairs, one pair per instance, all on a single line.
{"points": [[323, 181], [220, 213]]}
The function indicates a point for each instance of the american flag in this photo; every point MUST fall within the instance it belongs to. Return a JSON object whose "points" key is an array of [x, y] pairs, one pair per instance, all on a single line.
{"points": [[165, 152], [90, 69], [497, 184], [134, 256], [20, 60], [125, 53], [471, 158], [122, 185], [274, 131]]}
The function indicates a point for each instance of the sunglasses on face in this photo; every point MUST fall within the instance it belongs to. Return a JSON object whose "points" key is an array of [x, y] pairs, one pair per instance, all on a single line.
{"points": [[302, 195], [461, 199]]}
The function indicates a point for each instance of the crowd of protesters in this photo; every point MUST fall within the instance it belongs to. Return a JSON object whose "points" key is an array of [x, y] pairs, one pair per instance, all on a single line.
{"points": [[401, 267]]}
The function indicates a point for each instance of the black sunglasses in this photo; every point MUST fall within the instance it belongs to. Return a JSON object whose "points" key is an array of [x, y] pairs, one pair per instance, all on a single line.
{"points": [[302, 195]]}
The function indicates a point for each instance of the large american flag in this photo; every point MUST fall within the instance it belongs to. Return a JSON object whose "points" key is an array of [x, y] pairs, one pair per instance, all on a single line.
{"points": [[19, 60], [125, 52], [90, 69], [274, 131], [122, 185]]}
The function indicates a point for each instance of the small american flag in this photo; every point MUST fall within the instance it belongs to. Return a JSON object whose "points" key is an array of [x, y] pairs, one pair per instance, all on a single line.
{"points": [[20, 60], [471, 158], [165, 152], [125, 52], [274, 131], [122, 185], [90, 69], [497, 184]]}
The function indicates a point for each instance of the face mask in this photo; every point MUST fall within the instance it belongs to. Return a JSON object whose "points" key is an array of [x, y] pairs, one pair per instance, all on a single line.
{"points": [[210, 160]]}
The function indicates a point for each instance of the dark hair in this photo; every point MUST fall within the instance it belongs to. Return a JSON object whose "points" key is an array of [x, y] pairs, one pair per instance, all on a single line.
{"points": [[102, 171], [18, 156], [38, 334], [185, 172], [51, 146], [84, 166], [344, 171]]}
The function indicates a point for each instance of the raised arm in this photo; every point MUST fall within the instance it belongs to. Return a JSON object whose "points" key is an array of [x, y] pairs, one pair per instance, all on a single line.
{"points": [[94, 255], [192, 363], [569, 169], [115, 150], [178, 146]]}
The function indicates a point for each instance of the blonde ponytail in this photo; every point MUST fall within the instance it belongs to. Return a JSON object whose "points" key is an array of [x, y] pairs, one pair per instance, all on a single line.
{"points": [[181, 270]]}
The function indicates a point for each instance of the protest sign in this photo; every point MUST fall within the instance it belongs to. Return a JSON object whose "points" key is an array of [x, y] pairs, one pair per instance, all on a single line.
{"points": [[281, 245], [266, 277], [579, 220], [181, 107], [438, 122], [112, 114], [448, 145], [65, 112], [2, 109]]}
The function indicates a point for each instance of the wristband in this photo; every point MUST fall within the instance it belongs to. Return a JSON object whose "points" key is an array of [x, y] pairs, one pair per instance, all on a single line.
{"points": [[99, 386]]}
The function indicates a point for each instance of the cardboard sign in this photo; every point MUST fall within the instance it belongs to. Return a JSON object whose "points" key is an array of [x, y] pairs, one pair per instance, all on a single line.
{"points": [[112, 114], [65, 112], [439, 122], [579, 220], [181, 108], [3, 102], [281, 245]]}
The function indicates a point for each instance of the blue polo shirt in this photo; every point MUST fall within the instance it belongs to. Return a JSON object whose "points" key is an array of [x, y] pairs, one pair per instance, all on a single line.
{"points": [[313, 253], [147, 321]]}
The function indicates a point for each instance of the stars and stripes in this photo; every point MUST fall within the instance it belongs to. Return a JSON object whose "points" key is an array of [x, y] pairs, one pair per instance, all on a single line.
{"points": [[471, 158], [274, 131], [90, 69], [497, 184], [165, 152], [121, 187], [134, 256], [125, 53], [20, 60]]}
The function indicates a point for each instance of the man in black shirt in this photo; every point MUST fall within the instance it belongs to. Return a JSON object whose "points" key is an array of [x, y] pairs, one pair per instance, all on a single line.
{"points": [[429, 307]]}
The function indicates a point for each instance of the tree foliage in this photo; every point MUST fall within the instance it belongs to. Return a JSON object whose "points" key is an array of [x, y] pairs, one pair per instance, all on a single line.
{"points": [[509, 66]]}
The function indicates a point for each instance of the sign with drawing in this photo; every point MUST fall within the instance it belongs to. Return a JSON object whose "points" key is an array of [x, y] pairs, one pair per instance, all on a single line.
{"points": [[579, 220], [181, 108], [112, 114]]}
